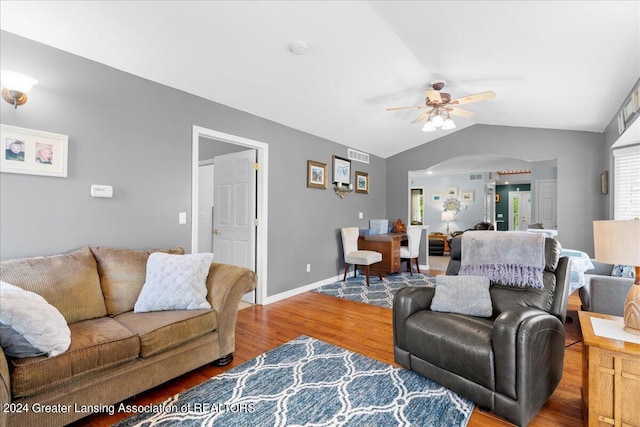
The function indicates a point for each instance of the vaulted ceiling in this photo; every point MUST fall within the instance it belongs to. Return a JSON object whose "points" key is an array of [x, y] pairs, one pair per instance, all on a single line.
{"points": [[557, 65]]}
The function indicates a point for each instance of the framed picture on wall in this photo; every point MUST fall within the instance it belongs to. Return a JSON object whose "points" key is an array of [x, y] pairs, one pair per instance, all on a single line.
{"points": [[341, 171], [362, 182], [497, 198], [451, 192], [436, 197], [317, 175], [33, 152], [466, 196]]}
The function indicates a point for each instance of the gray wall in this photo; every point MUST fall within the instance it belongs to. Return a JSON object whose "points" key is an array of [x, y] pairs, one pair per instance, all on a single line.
{"points": [[135, 135], [471, 212], [580, 158]]}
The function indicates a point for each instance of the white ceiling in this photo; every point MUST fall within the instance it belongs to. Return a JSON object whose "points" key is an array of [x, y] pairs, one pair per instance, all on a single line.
{"points": [[558, 65]]}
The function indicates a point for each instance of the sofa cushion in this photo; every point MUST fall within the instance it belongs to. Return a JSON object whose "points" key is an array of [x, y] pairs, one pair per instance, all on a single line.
{"points": [[175, 282], [122, 274], [62, 280], [162, 330], [454, 343], [29, 325], [96, 345]]}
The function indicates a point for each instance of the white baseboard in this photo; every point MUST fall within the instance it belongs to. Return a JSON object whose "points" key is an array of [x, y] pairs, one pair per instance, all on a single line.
{"points": [[302, 289]]}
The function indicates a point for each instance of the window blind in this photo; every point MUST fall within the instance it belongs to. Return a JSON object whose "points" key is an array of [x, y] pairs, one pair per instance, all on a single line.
{"points": [[626, 202]]}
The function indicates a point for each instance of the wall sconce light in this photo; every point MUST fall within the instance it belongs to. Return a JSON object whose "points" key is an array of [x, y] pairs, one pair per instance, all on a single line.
{"points": [[343, 190], [15, 87]]}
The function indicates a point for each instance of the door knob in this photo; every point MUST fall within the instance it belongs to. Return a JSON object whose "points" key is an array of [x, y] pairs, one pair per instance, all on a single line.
{"points": [[215, 231]]}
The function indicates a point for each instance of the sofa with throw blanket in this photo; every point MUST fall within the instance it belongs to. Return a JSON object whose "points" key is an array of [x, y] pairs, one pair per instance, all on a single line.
{"points": [[85, 330], [494, 333]]}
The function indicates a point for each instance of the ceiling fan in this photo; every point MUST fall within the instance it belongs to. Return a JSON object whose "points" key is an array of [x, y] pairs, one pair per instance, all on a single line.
{"points": [[440, 106]]}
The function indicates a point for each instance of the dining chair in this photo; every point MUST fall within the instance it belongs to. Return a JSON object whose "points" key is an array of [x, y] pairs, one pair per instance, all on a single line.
{"points": [[414, 234], [358, 257]]}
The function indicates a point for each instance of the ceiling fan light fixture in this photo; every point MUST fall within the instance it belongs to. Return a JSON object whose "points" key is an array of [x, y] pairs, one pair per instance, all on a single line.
{"points": [[448, 124], [437, 120], [428, 127]]}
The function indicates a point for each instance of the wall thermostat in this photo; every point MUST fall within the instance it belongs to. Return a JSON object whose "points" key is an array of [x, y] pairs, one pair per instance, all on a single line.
{"points": [[101, 191]]}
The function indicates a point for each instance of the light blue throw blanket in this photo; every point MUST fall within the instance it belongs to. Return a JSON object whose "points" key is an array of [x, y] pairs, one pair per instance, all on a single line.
{"points": [[512, 258]]}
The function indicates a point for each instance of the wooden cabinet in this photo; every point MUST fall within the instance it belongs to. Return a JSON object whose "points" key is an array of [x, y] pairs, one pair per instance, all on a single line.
{"points": [[388, 245], [610, 378]]}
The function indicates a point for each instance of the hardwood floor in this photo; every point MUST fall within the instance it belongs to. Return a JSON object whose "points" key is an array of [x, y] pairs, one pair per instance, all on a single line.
{"points": [[364, 329]]}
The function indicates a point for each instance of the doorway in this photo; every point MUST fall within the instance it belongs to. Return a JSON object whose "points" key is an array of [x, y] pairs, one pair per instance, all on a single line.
{"points": [[519, 210], [259, 223]]}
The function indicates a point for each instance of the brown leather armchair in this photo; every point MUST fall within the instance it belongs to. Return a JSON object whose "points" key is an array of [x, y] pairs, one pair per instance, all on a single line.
{"points": [[509, 363]]}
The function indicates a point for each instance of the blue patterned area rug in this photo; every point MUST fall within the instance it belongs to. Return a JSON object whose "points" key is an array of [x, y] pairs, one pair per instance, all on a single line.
{"points": [[307, 382], [379, 292]]}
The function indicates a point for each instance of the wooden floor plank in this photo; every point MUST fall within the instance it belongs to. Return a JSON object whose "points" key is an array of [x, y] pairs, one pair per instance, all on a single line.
{"points": [[364, 329]]}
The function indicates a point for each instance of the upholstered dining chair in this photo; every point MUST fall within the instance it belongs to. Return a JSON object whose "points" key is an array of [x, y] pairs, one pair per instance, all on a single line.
{"points": [[358, 257], [410, 252]]}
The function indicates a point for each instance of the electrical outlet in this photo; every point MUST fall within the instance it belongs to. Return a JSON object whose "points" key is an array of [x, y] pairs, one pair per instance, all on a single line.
{"points": [[182, 218], [308, 268], [360, 215]]}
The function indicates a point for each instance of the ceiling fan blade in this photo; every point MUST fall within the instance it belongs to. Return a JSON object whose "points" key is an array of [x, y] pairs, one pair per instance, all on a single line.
{"points": [[473, 98], [460, 112], [434, 96], [417, 107], [422, 116]]}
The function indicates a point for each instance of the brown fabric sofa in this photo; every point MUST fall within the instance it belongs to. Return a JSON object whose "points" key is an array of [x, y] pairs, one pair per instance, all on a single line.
{"points": [[114, 353]]}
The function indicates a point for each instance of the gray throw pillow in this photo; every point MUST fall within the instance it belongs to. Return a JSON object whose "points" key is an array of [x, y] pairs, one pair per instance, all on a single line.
{"points": [[463, 294]]}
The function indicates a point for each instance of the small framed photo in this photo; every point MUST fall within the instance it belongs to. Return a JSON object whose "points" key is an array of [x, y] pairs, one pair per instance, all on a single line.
{"points": [[436, 197], [497, 198], [628, 110], [362, 182], [317, 175], [341, 171], [33, 152], [451, 192], [466, 196]]}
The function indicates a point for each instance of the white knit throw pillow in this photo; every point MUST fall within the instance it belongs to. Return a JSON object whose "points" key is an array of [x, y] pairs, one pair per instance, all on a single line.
{"points": [[175, 282], [29, 320]]}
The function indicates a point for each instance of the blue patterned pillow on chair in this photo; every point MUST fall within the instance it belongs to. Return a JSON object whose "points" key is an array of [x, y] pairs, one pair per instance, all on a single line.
{"points": [[624, 271]]}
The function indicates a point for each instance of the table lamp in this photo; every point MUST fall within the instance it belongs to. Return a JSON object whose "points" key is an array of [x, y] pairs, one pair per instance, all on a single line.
{"points": [[618, 242], [447, 216]]}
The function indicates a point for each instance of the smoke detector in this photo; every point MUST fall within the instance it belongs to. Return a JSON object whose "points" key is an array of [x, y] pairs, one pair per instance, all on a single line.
{"points": [[298, 47]]}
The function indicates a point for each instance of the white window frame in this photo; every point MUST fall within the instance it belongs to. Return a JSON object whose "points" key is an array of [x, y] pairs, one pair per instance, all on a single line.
{"points": [[626, 173]]}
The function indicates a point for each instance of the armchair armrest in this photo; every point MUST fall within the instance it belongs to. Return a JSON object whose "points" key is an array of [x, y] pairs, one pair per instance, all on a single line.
{"points": [[528, 345], [226, 284], [406, 302], [607, 294]]}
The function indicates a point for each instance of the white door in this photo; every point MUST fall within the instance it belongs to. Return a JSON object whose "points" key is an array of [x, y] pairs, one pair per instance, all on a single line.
{"points": [[234, 209], [519, 210], [205, 208], [547, 203]]}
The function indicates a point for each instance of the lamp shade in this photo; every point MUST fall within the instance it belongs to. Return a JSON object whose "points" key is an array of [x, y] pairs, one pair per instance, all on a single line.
{"points": [[448, 124], [16, 81], [437, 120], [617, 242], [428, 127], [447, 216]]}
